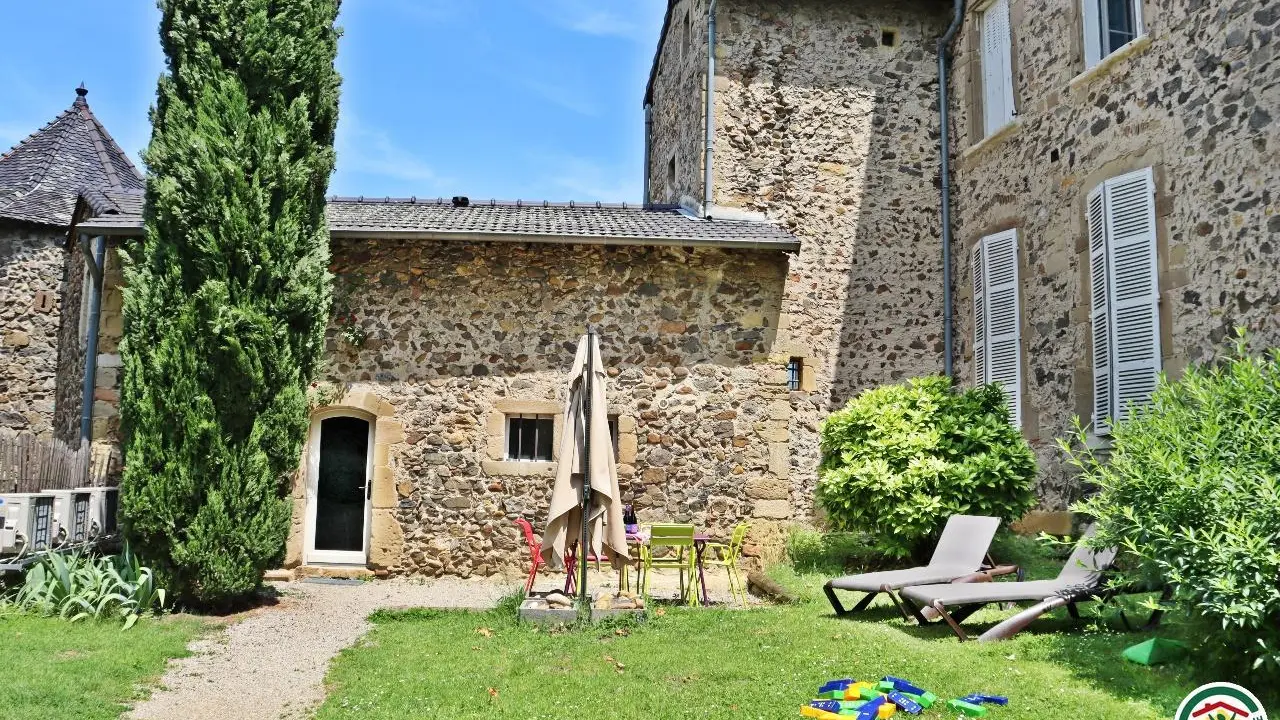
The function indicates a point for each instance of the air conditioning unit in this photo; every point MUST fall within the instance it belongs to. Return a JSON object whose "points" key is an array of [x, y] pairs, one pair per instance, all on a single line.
{"points": [[71, 516], [28, 522], [103, 502]]}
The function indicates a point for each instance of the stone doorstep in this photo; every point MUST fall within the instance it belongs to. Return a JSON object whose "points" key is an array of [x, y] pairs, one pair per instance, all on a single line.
{"points": [[345, 572]]}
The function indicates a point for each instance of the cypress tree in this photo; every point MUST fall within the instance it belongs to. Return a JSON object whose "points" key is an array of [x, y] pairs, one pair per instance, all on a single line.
{"points": [[227, 298]]}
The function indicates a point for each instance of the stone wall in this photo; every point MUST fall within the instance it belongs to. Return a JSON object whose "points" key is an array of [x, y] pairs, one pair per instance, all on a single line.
{"points": [[823, 126], [460, 334], [1196, 99], [678, 106], [71, 348], [32, 269]]}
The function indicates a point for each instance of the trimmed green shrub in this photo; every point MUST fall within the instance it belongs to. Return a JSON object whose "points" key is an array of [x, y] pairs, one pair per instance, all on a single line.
{"points": [[1190, 491], [79, 586], [810, 550], [898, 460], [227, 300]]}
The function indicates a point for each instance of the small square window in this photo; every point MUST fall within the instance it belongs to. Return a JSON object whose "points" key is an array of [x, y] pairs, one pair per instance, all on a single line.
{"points": [[530, 437], [613, 435], [888, 37], [795, 373], [671, 176]]}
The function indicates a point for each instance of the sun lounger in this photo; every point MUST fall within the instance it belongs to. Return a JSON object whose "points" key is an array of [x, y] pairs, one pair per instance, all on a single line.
{"points": [[960, 556], [1080, 580]]}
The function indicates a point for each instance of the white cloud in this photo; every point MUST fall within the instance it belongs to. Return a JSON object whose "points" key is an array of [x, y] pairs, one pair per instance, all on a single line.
{"points": [[608, 18], [372, 151]]}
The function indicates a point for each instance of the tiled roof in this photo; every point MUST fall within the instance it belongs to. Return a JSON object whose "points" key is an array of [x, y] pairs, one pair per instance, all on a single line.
{"points": [[41, 177], [587, 223]]}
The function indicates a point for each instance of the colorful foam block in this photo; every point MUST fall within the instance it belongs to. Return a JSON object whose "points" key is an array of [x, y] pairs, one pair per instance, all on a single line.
{"points": [[813, 712], [903, 686], [871, 711], [832, 706], [840, 684], [926, 699], [850, 707], [886, 686], [831, 695], [854, 691], [869, 693], [980, 699], [905, 703], [969, 709], [886, 711]]}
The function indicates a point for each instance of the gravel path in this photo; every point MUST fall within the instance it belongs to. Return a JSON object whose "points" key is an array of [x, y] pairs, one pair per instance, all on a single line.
{"points": [[272, 663]]}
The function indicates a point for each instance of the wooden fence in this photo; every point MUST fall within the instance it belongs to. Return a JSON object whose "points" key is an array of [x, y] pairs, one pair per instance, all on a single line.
{"points": [[31, 464]]}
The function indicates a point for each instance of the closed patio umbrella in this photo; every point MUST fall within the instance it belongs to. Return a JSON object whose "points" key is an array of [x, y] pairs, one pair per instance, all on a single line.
{"points": [[586, 452]]}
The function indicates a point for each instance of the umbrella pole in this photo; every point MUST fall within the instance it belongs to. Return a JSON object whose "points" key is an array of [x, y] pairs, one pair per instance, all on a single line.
{"points": [[584, 597]]}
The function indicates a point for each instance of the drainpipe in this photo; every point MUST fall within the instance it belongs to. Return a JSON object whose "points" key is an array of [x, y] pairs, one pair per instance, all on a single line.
{"points": [[91, 344], [707, 194], [944, 52], [648, 130]]}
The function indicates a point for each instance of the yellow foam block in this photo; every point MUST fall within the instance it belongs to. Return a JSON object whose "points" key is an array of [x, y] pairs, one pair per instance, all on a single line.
{"points": [[854, 691], [813, 712], [887, 710]]}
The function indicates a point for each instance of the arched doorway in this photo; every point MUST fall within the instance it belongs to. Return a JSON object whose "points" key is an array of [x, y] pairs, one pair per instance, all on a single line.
{"points": [[339, 484]]}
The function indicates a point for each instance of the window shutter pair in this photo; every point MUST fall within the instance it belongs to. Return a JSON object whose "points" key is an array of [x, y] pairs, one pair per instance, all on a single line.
{"points": [[1125, 303], [997, 347], [997, 67]]}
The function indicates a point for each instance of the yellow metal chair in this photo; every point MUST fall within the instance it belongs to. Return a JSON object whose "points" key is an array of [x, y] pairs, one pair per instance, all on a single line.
{"points": [[679, 538], [727, 555]]}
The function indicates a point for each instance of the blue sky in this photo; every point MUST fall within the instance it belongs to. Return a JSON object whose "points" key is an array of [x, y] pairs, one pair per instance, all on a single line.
{"points": [[530, 99]]}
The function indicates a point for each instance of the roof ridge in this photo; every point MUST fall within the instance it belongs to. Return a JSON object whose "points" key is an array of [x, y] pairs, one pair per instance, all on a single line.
{"points": [[518, 203], [99, 134]]}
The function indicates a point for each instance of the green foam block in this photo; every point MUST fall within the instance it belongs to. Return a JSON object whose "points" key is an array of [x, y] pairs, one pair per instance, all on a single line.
{"points": [[885, 686], [1155, 651], [832, 695], [968, 709], [926, 700], [869, 693]]}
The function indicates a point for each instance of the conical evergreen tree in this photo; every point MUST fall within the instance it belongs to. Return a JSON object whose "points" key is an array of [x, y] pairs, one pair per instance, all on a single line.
{"points": [[227, 299]]}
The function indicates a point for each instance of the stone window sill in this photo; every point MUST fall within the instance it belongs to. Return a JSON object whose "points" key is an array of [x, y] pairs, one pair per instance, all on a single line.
{"points": [[1109, 63], [522, 468], [1001, 134], [1097, 443]]}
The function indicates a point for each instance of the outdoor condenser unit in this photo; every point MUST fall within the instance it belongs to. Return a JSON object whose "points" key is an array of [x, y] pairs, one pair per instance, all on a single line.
{"points": [[28, 522], [102, 510], [71, 516]]}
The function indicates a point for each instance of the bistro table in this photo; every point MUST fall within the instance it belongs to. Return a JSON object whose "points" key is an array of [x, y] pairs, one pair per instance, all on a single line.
{"points": [[700, 540]]}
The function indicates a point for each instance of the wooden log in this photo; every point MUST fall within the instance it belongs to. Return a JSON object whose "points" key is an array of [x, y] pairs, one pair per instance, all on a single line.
{"points": [[761, 585]]}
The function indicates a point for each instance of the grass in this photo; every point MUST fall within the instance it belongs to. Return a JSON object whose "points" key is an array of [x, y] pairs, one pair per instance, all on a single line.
{"points": [[762, 663], [85, 670]]}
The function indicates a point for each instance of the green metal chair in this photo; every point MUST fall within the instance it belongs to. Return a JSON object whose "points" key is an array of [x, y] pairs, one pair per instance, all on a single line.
{"points": [[727, 555], [684, 558]]}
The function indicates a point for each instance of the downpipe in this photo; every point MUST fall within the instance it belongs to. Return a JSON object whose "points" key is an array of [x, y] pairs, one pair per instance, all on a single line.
{"points": [[944, 53]]}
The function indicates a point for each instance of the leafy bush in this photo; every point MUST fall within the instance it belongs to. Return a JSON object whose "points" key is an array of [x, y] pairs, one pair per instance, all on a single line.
{"points": [[79, 586], [898, 460], [810, 550], [1190, 492]]}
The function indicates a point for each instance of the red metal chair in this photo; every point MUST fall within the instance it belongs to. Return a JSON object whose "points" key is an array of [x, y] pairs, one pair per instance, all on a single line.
{"points": [[535, 553], [571, 567]]}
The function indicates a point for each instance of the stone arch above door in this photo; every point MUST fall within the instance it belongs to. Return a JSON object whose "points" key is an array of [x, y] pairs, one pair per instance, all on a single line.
{"points": [[386, 538]]}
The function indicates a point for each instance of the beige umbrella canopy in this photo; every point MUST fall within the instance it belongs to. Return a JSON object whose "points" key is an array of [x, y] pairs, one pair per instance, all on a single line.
{"points": [[608, 537]]}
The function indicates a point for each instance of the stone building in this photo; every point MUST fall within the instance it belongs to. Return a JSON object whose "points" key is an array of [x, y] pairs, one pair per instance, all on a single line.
{"points": [[42, 271], [1129, 141], [824, 117]]}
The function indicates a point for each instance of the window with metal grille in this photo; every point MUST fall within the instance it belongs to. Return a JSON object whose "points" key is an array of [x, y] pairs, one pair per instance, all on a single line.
{"points": [[80, 517], [42, 531], [1108, 26], [530, 437], [795, 373]]}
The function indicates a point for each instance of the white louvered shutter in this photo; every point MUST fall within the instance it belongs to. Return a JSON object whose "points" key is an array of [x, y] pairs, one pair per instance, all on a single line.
{"points": [[997, 67], [1091, 20], [1100, 310], [1004, 332], [1135, 292], [979, 315]]}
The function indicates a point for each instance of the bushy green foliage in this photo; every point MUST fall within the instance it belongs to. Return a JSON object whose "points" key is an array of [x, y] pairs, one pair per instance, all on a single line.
{"points": [[79, 586], [810, 550], [1190, 491], [226, 301], [898, 460]]}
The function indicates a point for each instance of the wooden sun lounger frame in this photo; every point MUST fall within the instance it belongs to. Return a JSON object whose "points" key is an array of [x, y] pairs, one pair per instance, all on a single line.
{"points": [[1011, 626]]}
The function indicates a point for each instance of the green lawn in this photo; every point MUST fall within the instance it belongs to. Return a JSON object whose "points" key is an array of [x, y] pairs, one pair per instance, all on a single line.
{"points": [[763, 663], [54, 669]]}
